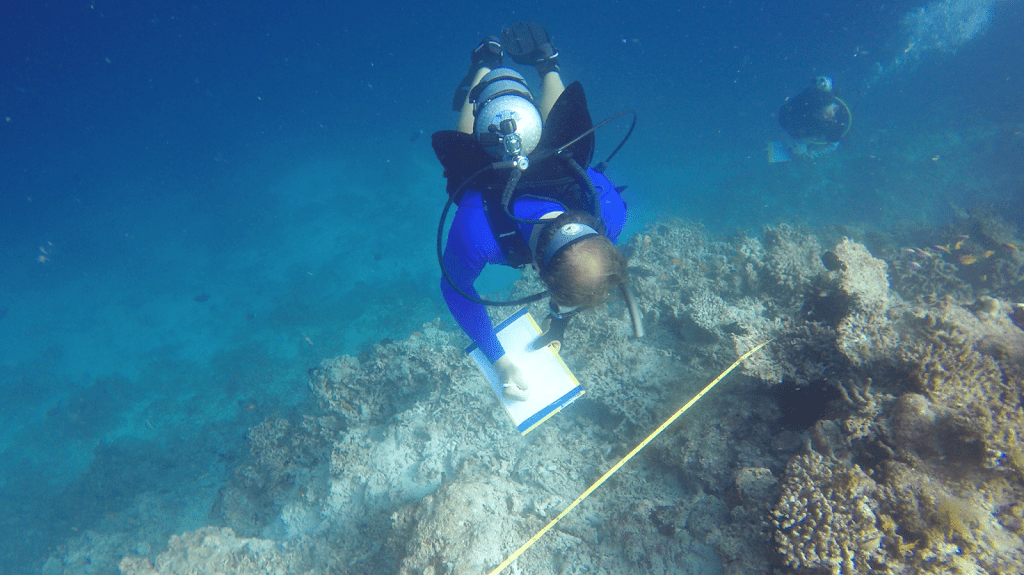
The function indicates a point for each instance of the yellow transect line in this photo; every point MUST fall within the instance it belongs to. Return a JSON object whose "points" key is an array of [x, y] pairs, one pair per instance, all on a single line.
{"points": [[626, 458]]}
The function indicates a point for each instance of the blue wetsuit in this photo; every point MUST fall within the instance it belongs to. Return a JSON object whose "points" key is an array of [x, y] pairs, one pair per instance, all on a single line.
{"points": [[471, 246]]}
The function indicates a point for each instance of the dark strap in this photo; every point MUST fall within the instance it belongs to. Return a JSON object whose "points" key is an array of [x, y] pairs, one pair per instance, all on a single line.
{"points": [[506, 231]]}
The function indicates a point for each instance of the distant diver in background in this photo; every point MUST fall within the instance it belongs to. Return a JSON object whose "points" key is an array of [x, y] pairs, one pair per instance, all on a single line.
{"points": [[519, 173], [815, 119]]}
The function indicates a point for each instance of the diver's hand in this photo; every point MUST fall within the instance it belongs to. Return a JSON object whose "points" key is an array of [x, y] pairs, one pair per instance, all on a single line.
{"points": [[513, 384]]}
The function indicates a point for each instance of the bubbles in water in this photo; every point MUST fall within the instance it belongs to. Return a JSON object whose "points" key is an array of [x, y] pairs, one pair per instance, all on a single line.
{"points": [[941, 25], [945, 25]]}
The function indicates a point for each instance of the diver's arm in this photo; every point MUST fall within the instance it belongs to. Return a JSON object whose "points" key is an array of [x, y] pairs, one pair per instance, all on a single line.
{"points": [[472, 318], [465, 256], [799, 148]]}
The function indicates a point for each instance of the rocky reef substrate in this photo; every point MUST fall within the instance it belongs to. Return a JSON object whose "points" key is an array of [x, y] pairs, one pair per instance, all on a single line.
{"points": [[879, 432]]}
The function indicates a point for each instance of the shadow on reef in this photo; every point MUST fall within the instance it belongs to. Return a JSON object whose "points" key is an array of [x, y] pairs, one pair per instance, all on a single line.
{"points": [[800, 406]]}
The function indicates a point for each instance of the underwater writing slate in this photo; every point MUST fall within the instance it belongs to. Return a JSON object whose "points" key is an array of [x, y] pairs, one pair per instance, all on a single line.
{"points": [[551, 385]]}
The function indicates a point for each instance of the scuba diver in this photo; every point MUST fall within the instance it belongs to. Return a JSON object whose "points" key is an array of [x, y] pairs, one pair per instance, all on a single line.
{"points": [[518, 170], [816, 120]]}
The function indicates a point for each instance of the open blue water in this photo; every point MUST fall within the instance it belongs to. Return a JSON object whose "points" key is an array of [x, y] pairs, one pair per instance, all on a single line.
{"points": [[199, 202]]}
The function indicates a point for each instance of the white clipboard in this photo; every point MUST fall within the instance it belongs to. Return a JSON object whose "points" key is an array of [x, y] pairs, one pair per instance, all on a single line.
{"points": [[551, 385]]}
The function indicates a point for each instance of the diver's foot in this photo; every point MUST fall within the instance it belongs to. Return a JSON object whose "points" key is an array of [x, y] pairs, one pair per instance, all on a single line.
{"points": [[487, 54], [548, 62]]}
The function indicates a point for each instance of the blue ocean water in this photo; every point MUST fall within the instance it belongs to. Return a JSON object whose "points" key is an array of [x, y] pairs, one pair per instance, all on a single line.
{"points": [[198, 203]]}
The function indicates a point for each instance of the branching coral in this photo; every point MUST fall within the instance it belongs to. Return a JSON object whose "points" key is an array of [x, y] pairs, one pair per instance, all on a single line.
{"points": [[985, 407], [826, 517], [944, 458]]}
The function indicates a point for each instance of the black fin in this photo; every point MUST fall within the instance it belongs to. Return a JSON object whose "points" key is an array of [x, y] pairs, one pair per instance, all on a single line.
{"points": [[569, 118]]}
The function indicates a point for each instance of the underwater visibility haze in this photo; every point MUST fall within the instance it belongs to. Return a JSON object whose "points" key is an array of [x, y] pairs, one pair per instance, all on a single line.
{"points": [[223, 347]]}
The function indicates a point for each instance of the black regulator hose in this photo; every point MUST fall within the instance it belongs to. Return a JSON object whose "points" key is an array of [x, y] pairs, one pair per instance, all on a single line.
{"points": [[440, 240]]}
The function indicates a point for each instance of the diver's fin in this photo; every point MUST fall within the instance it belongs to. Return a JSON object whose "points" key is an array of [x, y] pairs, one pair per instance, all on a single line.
{"points": [[778, 152], [529, 43]]}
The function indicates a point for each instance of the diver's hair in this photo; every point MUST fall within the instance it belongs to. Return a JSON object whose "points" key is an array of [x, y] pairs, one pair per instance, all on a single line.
{"points": [[584, 273]]}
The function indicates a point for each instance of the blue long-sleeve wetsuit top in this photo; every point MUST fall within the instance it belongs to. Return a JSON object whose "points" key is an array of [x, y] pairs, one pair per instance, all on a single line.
{"points": [[471, 246]]}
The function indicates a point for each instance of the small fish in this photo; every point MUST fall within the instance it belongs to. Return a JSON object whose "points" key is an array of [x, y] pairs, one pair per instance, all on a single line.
{"points": [[944, 248], [914, 266], [967, 259], [958, 244], [1011, 247], [921, 253], [987, 253]]}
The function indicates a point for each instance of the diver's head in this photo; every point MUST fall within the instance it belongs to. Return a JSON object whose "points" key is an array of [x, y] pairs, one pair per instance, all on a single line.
{"points": [[507, 121], [823, 83], [579, 265]]}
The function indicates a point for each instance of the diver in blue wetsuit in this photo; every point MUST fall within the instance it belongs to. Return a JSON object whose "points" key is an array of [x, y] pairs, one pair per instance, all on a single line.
{"points": [[519, 173]]}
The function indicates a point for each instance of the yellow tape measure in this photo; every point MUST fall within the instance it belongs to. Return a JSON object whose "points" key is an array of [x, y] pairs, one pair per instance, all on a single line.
{"points": [[623, 461]]}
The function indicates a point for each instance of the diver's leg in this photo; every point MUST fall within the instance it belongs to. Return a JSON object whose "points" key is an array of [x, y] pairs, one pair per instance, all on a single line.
{"points": [[485, 57], [529, 43], [551, 89], [466, 118]]}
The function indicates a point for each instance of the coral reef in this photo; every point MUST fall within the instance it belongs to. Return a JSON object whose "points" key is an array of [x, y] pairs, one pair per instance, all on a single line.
{"points": [[215, 550], [906, 457], [979, 254], [464, 527], [825, 518], [921, 467]]}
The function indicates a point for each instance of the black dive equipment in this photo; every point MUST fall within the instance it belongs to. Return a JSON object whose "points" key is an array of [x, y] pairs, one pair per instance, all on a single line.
{"points": [[548, 168]]}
